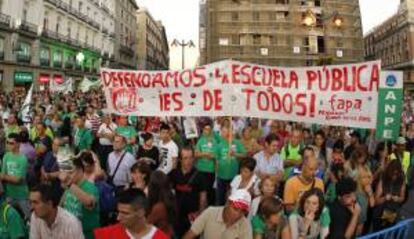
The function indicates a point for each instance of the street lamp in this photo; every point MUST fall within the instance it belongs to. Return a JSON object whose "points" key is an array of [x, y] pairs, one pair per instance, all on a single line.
{"points": [[309, 19], [80, 57], [183, 45]]}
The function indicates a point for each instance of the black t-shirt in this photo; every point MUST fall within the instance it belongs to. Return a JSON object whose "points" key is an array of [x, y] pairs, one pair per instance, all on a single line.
{"points": [[187, 189], [340, 218], [151, 155]]}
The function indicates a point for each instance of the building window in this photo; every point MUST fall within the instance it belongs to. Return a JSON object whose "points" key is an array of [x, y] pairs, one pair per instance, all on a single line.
{"points": [[24, 14], [256, 16], [235, 39], [234, 16], [80, 5], [273, 40], [69, 30], [57, 58], [2, 48], [44, 56], [46, 23], [223, 41], [23, 55], [256, 39]]}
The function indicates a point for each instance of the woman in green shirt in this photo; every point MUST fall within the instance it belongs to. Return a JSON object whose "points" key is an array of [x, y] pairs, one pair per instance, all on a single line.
{"points": [[206, 155], [270, 223]]}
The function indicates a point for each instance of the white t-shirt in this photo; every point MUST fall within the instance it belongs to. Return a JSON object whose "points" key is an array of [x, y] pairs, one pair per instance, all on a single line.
{"points": [[254, 182], [168, 151], [149, 235], [106, 129]]}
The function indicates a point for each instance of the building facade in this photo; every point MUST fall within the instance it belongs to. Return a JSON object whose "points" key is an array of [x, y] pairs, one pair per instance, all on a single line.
{"points": [[281, 32], [393, 42], [152, 47], [45, 40], [126, 35]]}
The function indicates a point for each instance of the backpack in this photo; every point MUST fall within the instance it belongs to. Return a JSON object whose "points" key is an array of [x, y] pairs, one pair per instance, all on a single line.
{"points": [[107, 198], [107, 192], [6, 209]]}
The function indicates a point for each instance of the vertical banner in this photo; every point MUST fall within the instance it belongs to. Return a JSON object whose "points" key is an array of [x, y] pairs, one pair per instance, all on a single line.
{"points": [[390, 103]]}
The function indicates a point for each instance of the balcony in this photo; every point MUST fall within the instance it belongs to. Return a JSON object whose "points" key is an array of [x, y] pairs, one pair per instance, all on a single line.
{"points": [[105, 8], [50, 34], [96, 3], [54, 2], [72, 41], [55, 36], [23, 58], [127, 50], [28, 29], [4, 20]]}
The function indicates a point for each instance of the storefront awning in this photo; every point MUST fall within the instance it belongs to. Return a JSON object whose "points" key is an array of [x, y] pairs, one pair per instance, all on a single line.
{"points": [[44, 79], [58, 79], [21, 77]]}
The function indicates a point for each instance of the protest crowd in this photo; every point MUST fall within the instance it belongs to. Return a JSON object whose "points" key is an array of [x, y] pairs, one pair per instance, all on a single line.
{"points": [[74, 171]]}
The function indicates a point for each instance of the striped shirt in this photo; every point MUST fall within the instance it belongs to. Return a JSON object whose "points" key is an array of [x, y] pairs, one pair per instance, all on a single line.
{"points": [[93, 122], [65, 226]]}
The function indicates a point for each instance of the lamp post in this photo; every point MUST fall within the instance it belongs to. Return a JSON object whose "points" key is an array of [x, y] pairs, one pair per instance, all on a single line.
{"points": [[310, 20], [183, 45]]}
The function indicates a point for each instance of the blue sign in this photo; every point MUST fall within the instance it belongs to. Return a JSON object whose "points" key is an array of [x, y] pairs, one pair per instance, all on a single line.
{"points": [[391, 80]]}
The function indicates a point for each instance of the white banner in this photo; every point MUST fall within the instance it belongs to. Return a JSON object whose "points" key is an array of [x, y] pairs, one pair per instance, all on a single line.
{"points": [[64, 87], [86, 84], [344, 95]]}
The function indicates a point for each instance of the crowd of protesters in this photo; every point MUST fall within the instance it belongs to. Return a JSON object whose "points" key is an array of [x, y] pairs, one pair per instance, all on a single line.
{"points": [[74, 171]]}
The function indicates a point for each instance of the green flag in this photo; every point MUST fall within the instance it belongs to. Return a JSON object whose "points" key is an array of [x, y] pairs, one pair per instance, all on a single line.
{"points": [[390, 105]]}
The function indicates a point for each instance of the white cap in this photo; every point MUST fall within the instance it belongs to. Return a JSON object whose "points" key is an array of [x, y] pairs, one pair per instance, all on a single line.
{"points": [[241, 199]]}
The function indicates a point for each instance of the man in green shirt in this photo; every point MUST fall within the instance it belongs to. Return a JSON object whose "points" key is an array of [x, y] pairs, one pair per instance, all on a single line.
{"points": [[83, 136], [229, 153], [12, 126], [13, 175], [128, 132], [11, 223], [206, 154], [290, 153], [81, 198], [34, 132]]}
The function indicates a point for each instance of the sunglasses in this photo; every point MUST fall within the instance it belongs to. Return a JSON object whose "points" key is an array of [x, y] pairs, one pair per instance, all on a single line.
{"points": [[11, 142]]}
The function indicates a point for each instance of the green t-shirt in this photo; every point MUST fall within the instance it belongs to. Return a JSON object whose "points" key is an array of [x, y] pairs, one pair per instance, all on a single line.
{"points": [[11, 224], [289, 152], [12, 129], [88, 217], [258, 225], [127, 132], [83, 139], [34, 134], [330, 194], [228, 167], [206, 144], [15, 165]]}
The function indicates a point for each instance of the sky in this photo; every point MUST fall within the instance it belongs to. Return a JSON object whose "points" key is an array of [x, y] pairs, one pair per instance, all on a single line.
{"points": [[180, 18]]}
